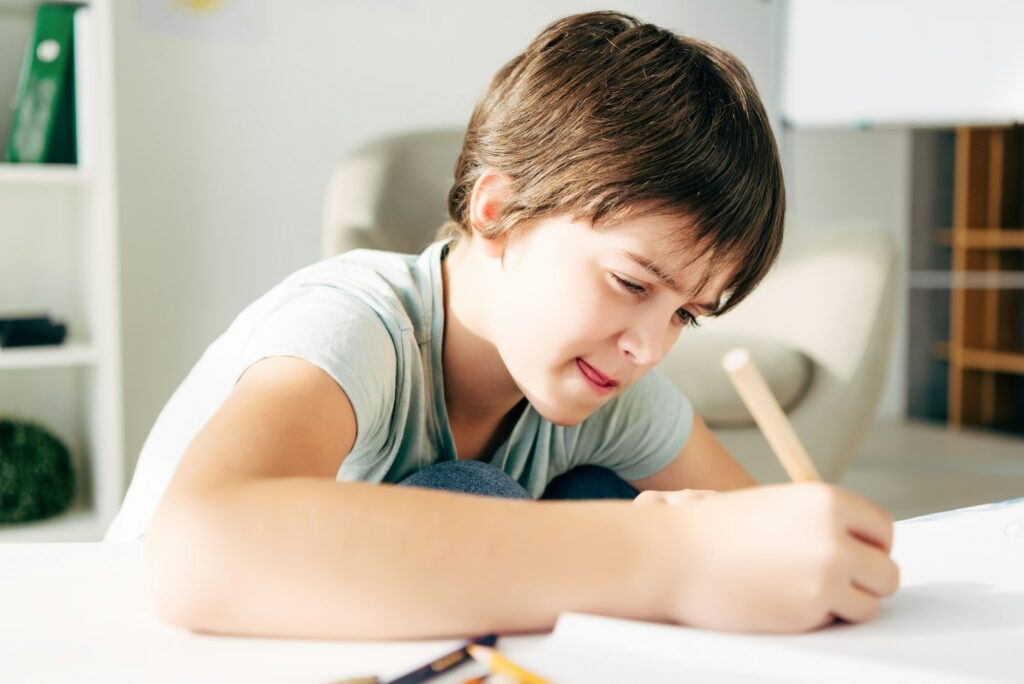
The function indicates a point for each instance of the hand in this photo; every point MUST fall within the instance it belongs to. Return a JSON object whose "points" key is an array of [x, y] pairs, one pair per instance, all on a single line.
{"points": [[781, 558], [653, 496]]}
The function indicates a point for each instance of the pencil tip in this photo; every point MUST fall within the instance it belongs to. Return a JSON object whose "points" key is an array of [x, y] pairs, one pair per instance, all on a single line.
{"points": [[481, 654]]}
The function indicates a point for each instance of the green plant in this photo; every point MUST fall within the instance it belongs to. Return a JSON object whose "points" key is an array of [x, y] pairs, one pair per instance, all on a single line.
{"points": [[36, 477]]}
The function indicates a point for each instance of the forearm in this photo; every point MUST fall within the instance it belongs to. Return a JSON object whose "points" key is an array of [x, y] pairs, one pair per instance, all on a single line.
{"points": [[316, 558]]}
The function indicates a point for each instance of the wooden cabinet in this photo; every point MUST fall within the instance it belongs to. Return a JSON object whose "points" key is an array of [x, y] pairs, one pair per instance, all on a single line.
{"points": [[986, 241], [974, 263]]}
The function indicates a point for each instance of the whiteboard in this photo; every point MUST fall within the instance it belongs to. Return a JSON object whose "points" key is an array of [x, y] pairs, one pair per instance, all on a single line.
{"points": [[903, 62]]}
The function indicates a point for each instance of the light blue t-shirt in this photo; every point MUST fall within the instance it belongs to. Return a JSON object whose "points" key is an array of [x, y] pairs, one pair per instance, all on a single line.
{"points": [[374, 321]]}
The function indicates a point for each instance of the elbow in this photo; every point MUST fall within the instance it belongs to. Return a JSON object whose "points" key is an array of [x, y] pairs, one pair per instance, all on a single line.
{"points": [[171, 600], [178, 578]]}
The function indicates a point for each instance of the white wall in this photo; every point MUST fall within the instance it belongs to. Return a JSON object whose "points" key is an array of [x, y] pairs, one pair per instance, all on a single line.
{"points": [[226, 140]]}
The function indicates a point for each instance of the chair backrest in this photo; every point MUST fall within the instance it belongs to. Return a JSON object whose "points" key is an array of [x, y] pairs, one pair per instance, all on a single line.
{"points": [[392, 193], [832, 282]]}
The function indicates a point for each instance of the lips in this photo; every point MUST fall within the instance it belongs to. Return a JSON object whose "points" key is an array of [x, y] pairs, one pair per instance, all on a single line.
{"points": [[596, 375]]}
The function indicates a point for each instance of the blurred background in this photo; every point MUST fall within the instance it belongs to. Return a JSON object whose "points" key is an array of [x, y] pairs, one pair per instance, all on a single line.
{"points": [[226, 120]]}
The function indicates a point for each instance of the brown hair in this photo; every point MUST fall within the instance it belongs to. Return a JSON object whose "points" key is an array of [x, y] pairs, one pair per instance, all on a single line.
{"points": [[607, 118]]}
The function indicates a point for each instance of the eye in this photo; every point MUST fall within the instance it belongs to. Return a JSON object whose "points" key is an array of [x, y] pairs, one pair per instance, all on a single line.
{"points": [[685, 317], [630, 287]]}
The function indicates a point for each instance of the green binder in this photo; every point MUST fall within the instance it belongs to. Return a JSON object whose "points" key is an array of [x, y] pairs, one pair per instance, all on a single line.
{"points": [[43, 129]]}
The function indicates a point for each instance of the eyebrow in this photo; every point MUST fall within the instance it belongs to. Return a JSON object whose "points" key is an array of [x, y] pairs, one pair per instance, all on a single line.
{"points": [[710, 308]]}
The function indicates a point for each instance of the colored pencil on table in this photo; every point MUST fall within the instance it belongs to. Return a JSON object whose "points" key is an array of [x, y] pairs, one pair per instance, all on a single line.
{"points": [[499, 664], [445, 662]]}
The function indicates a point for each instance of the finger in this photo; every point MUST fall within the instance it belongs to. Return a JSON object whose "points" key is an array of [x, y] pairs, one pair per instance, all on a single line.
{"points": [[873, 570], [648, 497], [855, 605], [688, 495], [867, 522], [825, 622]]}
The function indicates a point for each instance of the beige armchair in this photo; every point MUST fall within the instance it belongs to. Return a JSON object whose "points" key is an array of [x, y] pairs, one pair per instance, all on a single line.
{"points": [[819, 326]]}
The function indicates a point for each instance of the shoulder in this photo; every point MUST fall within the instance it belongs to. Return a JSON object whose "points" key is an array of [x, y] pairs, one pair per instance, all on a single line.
{"points": [[362, 284], [360, 272], [396, 286]]}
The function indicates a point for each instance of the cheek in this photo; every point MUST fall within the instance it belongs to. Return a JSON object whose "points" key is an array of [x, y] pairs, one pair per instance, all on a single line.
{"points": [[585, 316], [594, 312], [576, 308], [595, 299], [529, 315], [546, 317]]}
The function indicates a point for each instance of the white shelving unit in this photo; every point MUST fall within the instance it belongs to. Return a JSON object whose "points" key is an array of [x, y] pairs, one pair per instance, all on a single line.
{"points": [[59, 256]]}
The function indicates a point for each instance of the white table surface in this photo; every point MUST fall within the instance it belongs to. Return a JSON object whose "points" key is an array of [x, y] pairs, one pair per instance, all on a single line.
{"points": [[77, 613]]}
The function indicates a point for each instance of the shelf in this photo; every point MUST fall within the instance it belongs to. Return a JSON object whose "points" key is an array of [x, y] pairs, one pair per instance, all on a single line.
{"points": [[985, 238], [56, 356], [967, 280], [61, 255], [74, 525], [7, 6], [984, 359], [42, 175]]}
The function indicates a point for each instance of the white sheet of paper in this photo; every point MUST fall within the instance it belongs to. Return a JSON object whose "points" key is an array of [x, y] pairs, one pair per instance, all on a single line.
{"points": [[957, 617]]}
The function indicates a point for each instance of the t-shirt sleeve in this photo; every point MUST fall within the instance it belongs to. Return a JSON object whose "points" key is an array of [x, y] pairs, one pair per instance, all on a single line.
{"points": [[638, 433], [340, 333]]}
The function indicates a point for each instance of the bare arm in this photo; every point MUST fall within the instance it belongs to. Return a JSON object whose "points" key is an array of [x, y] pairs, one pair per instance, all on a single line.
{"points": [[254, 536], [315, 558]]}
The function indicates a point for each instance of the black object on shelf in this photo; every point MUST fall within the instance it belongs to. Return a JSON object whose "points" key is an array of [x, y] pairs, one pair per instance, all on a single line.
{"points": [[31, 331], [37, 478]]}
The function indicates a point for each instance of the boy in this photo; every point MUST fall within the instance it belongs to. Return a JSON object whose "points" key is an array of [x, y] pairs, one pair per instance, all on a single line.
{"points": [[616, 182]]}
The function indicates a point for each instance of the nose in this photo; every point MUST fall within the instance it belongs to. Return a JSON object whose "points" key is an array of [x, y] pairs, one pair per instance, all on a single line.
{"points": [[647, 339]]}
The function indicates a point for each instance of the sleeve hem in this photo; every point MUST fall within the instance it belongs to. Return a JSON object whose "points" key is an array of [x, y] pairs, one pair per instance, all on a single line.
{"points": [[352, 391]]}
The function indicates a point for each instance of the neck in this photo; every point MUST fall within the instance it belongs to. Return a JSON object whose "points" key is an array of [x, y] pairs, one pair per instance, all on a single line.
{"points": [[477, 387]]}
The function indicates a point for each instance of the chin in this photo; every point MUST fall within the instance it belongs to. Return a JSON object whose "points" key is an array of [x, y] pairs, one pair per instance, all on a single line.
{"points": [[560, 417], [561, 408]]}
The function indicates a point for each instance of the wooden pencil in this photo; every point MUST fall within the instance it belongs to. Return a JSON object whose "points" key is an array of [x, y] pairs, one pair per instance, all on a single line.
{"points": [[769, 416]]}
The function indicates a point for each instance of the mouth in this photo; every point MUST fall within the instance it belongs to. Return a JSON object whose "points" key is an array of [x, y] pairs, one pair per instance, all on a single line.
{"points": [[594, 375]]}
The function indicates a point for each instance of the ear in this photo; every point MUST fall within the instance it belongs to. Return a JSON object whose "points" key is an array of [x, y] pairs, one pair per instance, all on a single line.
{"points": [[485, 206]]}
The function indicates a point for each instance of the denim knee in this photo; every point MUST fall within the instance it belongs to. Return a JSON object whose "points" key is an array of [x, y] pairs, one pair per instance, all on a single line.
{"points": [[468, 477], [589, 482]]}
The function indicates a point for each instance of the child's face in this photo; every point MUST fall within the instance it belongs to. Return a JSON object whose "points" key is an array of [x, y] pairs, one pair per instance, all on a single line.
{"points": [[559, 301]]}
